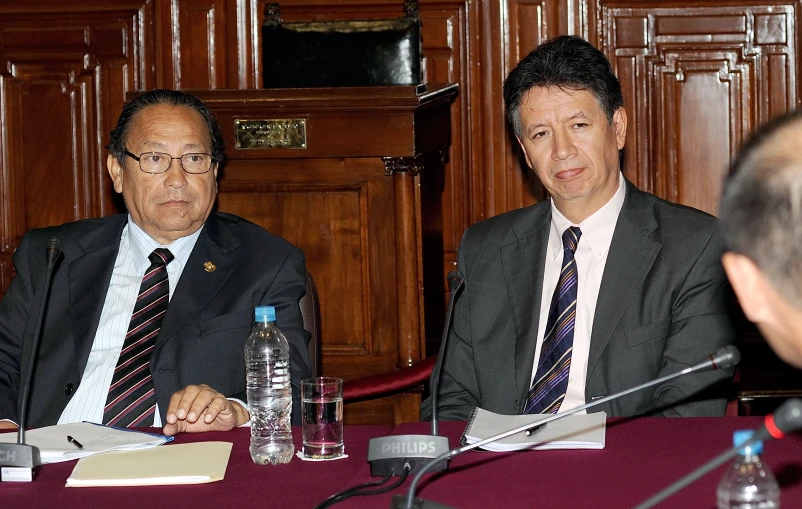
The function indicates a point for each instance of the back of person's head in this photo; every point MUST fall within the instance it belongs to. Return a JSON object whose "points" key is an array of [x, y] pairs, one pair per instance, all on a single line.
{"points": [[119, 134], [761, 204], [567, 62]]}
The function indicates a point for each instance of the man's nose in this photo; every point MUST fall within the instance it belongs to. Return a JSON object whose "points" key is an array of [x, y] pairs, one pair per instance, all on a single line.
{"points": [[563, 146], [176, 176]]}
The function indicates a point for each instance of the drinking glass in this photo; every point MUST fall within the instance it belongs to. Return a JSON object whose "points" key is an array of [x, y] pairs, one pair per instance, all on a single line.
{"points": [[322, 407]]}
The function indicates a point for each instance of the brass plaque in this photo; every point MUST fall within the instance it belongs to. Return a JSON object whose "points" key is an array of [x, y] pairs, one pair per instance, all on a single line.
{"points": [[270, 133]]}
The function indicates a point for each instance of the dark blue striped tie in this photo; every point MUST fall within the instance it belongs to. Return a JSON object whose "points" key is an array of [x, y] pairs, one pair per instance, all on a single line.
{"points": [[132, 399], [551, 379]]}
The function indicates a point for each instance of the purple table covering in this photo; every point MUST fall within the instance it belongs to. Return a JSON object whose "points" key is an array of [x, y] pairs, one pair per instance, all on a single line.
{"points": [[642, 456], [299, 484]]}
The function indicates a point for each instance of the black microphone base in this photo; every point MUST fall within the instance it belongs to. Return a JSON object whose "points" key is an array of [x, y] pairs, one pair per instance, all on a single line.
{"points": [[400, 502], [19, 463], [388, 455]]}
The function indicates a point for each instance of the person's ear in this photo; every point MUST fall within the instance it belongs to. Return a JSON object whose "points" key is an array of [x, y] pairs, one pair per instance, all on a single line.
{"points": [[749, 284], [620, 125], [526, 155], [115, 172]]}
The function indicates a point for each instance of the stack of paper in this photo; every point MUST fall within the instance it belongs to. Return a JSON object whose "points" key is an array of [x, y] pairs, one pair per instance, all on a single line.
{"points": [[194, 463], [578, 431], [54, 447]]}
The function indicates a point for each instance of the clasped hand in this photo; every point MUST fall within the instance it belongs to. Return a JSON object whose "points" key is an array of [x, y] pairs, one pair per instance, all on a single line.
{"points": [[199, 408]]}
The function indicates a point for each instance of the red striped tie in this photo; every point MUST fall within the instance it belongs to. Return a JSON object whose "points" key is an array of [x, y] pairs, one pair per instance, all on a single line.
{"points": [[132, 399]]}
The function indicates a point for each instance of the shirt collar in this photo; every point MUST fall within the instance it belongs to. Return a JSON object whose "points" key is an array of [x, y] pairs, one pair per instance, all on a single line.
{"points": [[597, 229], [143, 244]]}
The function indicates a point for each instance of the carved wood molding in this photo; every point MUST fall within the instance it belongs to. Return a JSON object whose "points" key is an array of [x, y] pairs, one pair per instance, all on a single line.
{"points": [[697, 81]]}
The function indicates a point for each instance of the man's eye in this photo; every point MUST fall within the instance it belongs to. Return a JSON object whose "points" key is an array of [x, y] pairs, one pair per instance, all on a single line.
{"points": [[193, 158], [580, 125], [154, 158], [539, 135]]}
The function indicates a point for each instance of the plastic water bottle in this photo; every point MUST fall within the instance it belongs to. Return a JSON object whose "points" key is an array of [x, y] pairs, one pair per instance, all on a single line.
{"points": [[267, 363], [748, 484]]}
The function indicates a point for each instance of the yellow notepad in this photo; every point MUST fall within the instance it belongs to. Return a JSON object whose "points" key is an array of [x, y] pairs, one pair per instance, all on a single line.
{"points": [[195, 463]]}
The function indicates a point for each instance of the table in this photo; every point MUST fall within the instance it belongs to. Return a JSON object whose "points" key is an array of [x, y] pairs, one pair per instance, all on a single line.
{"points": [[641, 457], [299, 484]]}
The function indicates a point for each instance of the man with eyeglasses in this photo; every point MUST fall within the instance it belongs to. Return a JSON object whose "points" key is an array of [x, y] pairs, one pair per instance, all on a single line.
{"points": [[149, 311]]}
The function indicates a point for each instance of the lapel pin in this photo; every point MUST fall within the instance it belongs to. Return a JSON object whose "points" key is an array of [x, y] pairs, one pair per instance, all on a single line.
{"points": [[209, 267]]}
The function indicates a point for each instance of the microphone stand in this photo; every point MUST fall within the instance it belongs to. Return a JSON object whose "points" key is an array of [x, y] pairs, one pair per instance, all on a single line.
{"points": [[20, 462], [402, 454], [454, 284], [786, 419], [399, 502], [695, 475]]}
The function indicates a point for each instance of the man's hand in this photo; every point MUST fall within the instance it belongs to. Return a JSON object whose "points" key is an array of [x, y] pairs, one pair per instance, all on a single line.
{"points": [[201, 408], [7, 426]]}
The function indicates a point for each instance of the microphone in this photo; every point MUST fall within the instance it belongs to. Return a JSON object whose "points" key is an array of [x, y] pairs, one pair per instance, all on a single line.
{"points": [[455, 281], [389, 455], [722, 358], [786, 419], [20, 462]]}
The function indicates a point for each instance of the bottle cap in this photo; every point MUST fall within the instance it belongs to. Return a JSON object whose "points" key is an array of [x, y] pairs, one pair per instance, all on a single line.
{"points": [[741, 436], [265, 313]]}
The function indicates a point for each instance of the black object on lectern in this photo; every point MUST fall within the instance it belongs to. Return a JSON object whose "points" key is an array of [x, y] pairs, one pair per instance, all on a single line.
{"points": [[348, 53]]}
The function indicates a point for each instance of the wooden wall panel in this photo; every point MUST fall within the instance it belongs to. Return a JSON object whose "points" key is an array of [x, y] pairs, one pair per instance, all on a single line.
{"points": [[339, 213], [199, 36], [64, 75], [444, 53], [697, 81]]}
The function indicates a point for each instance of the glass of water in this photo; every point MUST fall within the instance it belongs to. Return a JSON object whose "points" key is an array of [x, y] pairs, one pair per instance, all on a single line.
{"points": [[322, 408]]}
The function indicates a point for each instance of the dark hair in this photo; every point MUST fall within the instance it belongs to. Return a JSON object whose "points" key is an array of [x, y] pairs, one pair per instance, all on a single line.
{"points": [[120, 133], [761, 204], [567, 62]]}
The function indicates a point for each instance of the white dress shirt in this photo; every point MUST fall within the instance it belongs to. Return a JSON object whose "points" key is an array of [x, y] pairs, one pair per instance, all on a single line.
{"points": [[132, 260], [590, 257]]}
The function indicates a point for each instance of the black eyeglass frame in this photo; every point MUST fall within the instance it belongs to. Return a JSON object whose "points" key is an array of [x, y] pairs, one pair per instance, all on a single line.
{"points": [[138, 159]]}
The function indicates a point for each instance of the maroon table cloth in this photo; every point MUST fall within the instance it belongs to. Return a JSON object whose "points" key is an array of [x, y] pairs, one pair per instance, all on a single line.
{"points": [[642, 456], [301, 484]]}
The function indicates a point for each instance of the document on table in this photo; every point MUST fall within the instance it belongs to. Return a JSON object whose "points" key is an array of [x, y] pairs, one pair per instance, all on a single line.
{"points": [[54, 447], [577, 431], [194, 463]]}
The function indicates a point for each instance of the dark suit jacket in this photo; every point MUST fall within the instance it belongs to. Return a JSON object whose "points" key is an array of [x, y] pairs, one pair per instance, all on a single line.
{"points": [[662, 306], [203, 334]]}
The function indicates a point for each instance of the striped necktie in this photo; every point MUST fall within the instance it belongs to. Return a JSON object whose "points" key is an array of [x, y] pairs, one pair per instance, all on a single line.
{"points": [[551, 379], [132, 399]]}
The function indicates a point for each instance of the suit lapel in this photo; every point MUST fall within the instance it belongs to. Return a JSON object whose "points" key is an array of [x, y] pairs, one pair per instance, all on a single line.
{"points": [[197, 286], [86, 274], [522, 263], [632, 254]]}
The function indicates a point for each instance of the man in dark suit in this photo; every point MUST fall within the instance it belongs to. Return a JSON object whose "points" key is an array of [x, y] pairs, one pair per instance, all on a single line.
{"points": [[186, 357], [761, 219], [620, 286]]}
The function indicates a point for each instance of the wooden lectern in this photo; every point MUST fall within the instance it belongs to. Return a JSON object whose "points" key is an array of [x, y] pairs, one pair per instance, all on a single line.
{"points": [[354, 177]]}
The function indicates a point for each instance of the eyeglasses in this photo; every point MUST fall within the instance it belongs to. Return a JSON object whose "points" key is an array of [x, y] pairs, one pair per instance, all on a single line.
{"points": [[159, 162]]}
